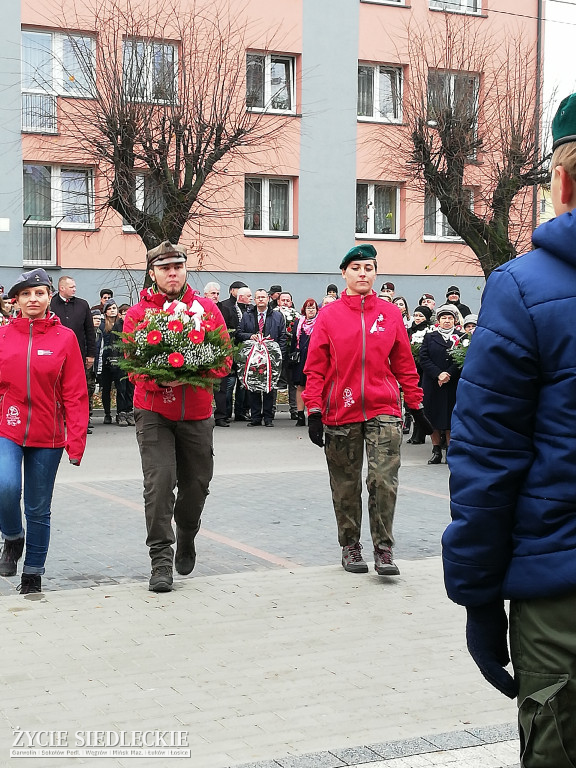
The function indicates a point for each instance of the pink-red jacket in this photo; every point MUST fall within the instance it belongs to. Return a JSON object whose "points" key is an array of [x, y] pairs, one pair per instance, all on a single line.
{"points": [[43, 392], [183, 403], [359, 352]]}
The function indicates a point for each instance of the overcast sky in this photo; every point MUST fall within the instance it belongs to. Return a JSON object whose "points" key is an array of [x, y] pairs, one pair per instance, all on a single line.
{"points": [[559, 50]]}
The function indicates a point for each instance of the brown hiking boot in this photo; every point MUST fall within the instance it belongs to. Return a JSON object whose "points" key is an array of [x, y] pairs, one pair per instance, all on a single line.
{"points": [[383, 563], [352, 559]]}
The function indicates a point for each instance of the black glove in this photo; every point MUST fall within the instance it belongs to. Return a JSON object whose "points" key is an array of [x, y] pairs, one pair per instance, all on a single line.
{"points": [[487, 640], [316, 428], [421, 420]]}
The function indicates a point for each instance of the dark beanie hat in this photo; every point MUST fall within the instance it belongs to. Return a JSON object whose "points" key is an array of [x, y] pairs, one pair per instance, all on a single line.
{"points": [[332, 288], [237, 284], [364, 252], [426, 311], [453, 289]]}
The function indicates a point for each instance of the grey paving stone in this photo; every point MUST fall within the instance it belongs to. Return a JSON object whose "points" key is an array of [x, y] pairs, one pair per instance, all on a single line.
{"points": [[356, 755], [261, 764], [454, 740], [311, 760], [404, 748], [492, 734]]}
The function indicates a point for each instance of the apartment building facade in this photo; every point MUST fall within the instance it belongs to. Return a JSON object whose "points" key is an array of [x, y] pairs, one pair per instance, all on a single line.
{"points": [[339, 76]]}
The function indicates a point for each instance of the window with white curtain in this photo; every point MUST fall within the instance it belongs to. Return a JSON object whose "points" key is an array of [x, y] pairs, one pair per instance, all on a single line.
{"points": [[54, 196], [147, 198], [150, 71], [380, 93], [436, 226], [268, 206], [53, 64], [377, 208], [270, 82], [454, 92], [459, 6]]}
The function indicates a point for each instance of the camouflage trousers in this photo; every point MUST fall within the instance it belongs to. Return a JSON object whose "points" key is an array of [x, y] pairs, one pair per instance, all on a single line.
{"points": [[344, 449]]}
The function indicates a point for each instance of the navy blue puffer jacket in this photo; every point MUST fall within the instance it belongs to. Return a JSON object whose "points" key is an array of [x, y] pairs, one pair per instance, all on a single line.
{"points": [[512, 454]]}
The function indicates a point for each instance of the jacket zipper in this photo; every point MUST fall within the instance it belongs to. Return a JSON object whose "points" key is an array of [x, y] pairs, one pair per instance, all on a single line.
{"points": [[328, 399], [28, 386], [363, 358]]}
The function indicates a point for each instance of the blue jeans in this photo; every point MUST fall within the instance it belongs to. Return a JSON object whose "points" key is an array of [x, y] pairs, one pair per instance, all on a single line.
{"points": [[40, 468]]}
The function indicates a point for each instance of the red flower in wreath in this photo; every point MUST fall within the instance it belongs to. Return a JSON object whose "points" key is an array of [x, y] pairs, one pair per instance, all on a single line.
{"points": [[142, 325], [209, 323], [196, 337], [154, 337], [175, 325], [176, 360]]}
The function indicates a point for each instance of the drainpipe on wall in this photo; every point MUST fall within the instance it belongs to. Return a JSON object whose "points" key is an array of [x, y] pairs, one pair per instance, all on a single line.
{"points": [[538, 109]]}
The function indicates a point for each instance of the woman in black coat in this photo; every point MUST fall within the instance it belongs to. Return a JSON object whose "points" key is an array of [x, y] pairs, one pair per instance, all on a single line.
{"points": [[299, 348], [440, 377]]}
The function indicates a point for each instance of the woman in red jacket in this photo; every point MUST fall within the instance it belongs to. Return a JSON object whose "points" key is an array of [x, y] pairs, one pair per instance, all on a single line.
{"points": [[43, 409], [358, 354]]}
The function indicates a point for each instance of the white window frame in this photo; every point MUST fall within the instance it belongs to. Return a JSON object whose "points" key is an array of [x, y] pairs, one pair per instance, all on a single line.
{"points": [[269, 92], [265, 230], [378, 71], [457, 6], [139, 201], [148, 78], [441, 223], [370, 211], [42, 97], [57, 208], [385, 2]]}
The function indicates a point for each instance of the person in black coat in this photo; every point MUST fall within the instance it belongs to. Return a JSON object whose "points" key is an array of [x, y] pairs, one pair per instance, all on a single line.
{"points": [[274, 327], [299, 343], [453, 297], [440, 376], [75, 314]]}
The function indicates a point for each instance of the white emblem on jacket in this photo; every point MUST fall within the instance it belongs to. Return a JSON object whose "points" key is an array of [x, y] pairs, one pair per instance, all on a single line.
{"points": [[378, 325], [12, 416], [348, 397]]}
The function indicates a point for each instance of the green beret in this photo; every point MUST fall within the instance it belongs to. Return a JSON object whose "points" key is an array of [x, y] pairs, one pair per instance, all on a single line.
{"points": [[364, 252], [564, 123]]}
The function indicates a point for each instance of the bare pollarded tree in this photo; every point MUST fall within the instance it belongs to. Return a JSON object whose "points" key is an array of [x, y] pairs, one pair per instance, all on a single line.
{"points": [[471, 112], [166, 115]]}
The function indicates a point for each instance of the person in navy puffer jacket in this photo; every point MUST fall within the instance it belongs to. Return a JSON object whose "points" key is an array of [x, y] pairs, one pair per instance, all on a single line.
{"points": [[513, 482]]}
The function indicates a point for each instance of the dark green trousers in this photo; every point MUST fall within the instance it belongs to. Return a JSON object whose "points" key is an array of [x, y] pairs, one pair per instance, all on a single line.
{"points": [[173, 454], [543, 650]]}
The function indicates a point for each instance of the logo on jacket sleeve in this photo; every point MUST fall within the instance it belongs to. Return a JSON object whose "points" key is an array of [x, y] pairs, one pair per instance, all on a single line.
{"points": [[13, 416], [378, 325], [348, 398]]}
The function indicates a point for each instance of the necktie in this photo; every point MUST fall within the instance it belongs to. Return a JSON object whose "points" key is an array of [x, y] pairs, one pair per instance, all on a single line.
{"points": [[260, 322]]}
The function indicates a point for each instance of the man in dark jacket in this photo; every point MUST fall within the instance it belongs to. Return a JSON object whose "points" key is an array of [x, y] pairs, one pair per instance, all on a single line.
{"points": [[262, 319], [75, 314], [513, 496], [453, 297], [224, 396]]}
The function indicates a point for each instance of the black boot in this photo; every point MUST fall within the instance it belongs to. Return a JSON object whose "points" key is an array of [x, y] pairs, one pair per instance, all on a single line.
{"points": [[407, 423], [11, 553], [418, 436], [31, 583], [301, 420], [436, 457]]}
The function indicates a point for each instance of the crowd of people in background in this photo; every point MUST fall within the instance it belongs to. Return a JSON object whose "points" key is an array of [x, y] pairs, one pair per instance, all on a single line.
{"points": [[432, 332]]}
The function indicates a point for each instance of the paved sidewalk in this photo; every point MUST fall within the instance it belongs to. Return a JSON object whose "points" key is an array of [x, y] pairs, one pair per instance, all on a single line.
{"points": [[269, 655], [259, 666]]}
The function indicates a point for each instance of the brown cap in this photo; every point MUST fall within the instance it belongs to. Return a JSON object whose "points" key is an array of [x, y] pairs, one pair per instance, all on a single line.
{"points": [[166, 253]]}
